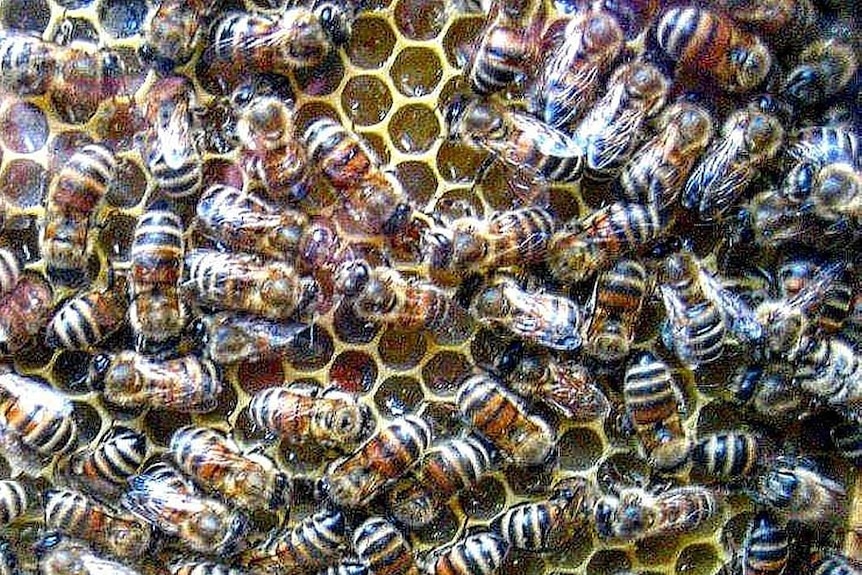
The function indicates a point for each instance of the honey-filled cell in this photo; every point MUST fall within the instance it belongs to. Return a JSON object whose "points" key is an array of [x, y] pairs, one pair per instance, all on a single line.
{"points": [[366, 100], [371, 41], [416, 72], [24, 183], [24, 127], [397, 396]]}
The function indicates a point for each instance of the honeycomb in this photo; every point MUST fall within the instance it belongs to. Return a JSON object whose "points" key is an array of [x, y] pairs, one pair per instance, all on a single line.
{"points": [[403, 58]]}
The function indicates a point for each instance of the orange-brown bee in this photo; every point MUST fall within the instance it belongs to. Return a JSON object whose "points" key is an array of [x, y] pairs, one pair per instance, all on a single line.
{"points": [[214, 461], [23, 312], [353, 480], [385, 550], [87, 319], [79, 516], [710, 44], [129, 379], [230, 337], [105, 469], [171, 32]]}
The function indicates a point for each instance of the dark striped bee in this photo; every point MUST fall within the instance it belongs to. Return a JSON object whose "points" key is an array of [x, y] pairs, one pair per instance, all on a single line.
{"points": [[156, 313], [87, 319], [230, 338], [24, 311], [766, 548], [710, 45], [129, 379], [27, 63], [105, 468], [443, 471], [828, 144], [823, 69], [654, 403], [797, 492], [59, 555], [375, 199], [14, 501], [216, 463], [829, 368], [835, 564], [353, 480], [582, 49], [616, 305], [517, 139], [36, 422], [384, 548], [312, 544], [551, 320], [477, 554], [78, 516], [164, 498], [10, 271], [551, 523], [611, 130], [833, 307], [192, 567], [502, 418], [727, 456], [72, 201], [172, 31]]}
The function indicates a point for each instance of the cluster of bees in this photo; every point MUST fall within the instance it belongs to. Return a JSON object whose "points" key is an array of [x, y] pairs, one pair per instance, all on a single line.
{"points": [[726, 158]]}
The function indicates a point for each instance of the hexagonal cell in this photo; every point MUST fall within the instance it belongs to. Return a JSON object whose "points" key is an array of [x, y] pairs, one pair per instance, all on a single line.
{"points": [[310, 112], [397, 396], [122, 18], [317, 353], [605, 561], [523, 564], [303, 458], [414, 128], [22, 235], [699, 559], [460, 37], [416, 72], [378, 145], [116, 124], [444, 372], [420, 19], [160, 425], [401, 349], [253, 377], [487, 345], [458, 163], [371, 42], [622, 469], [24, 127], [366, 100], [580, 448], [353, 371], [24, 183], [718, 416], [88, 421], [70, 371], [322, 79], [444, 419], [129, 185], [116, 236], [351, 329], [417, 179], [485, 500], [25, 15], [656, 551]]}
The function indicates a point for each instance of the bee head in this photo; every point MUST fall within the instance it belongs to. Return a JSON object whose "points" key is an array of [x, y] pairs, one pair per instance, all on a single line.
{"points": [[335, 19], [98, 370]]}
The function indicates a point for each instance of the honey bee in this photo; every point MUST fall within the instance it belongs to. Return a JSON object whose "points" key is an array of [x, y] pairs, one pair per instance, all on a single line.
{"points": [[443, 471], [658, 171], [10, 271], [375, 199], [727, 456], [353, 480], [835, 306], [85, 75], [14, 501], [829, 144], [769, 391], [311, 544], [171, 32], [332, 418], [550, 320], [829, 368], [766, 548], [595, 242], [503, 419], [156, 313], [582, 50], [164, 498], [796, 491], [481, 553], [106, 468], [654, 403], [242, 282], [835, 564], [610, 132], [87, 319], [750, 138], [217, 463], [24, 311], [59, 555], [616, 305], [230, 338], [36, 422], [78, 516], [130, 379], [773, 18], [551, 523], [384, 548], [27, 64], [823, 70], [352, 566], [708, 44], [202, 568], [515, 138]]}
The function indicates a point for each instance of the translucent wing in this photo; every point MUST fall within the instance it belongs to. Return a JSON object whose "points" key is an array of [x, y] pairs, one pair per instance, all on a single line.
{"points": [[738, 316]]}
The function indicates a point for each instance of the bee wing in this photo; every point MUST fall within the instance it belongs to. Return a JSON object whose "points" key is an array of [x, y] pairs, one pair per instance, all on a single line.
{"points": [[538, 317], [572, 393], [174, 139], [608, 145], [563, 99], [718, 179], [740, 318], [673, 336], [548, 140], [161, 506]]}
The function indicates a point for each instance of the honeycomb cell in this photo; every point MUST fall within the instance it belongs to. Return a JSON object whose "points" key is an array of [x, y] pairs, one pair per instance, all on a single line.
{"points": [[73, 4], [658, 550], [35, 356], [414, 128], [460, 36], [353, 371], [486, 346], [70, 371], [366, 100], [444, 419], [322, 79], [25, 15], [303, 458], [699, 559], [23, 183], [116, 236], [160, 424], [378, 145], [416, 72], [401, 350], [605, 561], [351, 329], [310, 112], [458, 163], [418, 180], [317, 353], [523, 564], [580, 449], [22, 235], [622, 469], [129, 185], [122, 18], [484, 500], [420, 19], [445, 371], [24, 127], [88, 421], [717, 416], [397, 396], [116, 124], [371, 42], [253, 377], [563, 204]]}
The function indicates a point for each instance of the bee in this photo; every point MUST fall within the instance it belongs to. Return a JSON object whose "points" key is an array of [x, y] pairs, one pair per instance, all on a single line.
{"points": [[517, 139], [773, 18], [481, 553], [375, 199], [582, 50], [10, 271], [654, 404], [766, 548], [202, 568], [616, 306], [835, 303], [829, 368], [822, 145], [708, 44], [27, 63], [164, 498], [171, 32], [216, 463], [36, 422], [550, 320], [156, 313], [352, 566], [78, 516], [242, 282], [610, 132], [443, 471], [59, 555], [353, 480], [24, 311], [658, 170], [502, 418], [823, 70], [87, 319], [595, 242], [230, 338], [14, 501], [106, 468], [384, 548], [130, 379], [310, 545], [332, 418], [835, 564], [727, 456], [836, 196], [769, 391], [796, 491], [551, 523], [72, 200]]}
